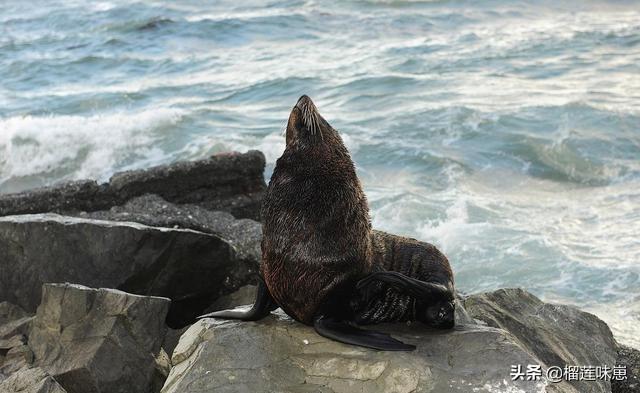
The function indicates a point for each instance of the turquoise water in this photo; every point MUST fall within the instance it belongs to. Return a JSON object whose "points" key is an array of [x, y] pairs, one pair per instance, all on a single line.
{"points": [[505, 132]]}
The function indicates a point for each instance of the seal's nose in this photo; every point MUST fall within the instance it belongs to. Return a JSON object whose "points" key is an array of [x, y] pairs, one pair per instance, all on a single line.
{"points": [[303, 101]]}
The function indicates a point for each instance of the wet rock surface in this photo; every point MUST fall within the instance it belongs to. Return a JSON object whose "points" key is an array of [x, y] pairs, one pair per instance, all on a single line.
{"points": [[630, 359], [231, 182], [558, 335]]}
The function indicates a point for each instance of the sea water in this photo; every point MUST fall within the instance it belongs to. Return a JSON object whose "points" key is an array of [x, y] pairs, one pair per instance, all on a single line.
{"points": [[505, 132]]}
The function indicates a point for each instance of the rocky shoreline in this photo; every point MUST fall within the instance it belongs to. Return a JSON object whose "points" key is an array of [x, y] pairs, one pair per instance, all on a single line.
{"points": [[100, 285]]}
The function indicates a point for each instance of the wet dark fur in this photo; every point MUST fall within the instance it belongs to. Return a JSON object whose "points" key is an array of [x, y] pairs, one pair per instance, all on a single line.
{"points": [[412, 258], [315, 220], [317, 239]]}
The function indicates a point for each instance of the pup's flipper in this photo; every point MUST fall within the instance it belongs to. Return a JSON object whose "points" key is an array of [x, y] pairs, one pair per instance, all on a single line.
{"points": [[344, 332], [262, 307], [408, 285]]}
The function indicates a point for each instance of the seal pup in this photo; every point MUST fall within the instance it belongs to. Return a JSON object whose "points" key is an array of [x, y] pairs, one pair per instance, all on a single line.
{"points": [[392, 294], [322, 264]]}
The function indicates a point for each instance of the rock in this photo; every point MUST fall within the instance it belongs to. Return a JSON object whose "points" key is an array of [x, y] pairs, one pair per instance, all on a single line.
{"points": [[18, 357], [7, 343], [31, 380], [245, 295], [278, 354], [18, 327], [98, 340], [14, 321], [171, 339], [10, 312], [558, 335], [190, 267], [152, 210], [229, 182], [14, 354], [630, 359], [162, 369], [14, 327]]}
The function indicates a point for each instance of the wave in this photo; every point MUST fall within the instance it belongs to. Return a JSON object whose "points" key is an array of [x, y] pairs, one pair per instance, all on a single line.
{"points": [[36, 150]]}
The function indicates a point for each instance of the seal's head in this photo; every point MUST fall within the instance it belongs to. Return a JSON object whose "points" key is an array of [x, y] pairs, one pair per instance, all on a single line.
{"points": [[439, 315], [306, 126]]}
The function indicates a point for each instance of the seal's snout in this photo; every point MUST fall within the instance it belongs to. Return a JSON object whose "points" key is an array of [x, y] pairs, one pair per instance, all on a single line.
{"points": [[304, 102], [305, 119]]}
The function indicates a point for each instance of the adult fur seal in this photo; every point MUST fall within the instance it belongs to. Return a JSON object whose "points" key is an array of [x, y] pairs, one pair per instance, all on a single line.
{"points": [[321, 262]]}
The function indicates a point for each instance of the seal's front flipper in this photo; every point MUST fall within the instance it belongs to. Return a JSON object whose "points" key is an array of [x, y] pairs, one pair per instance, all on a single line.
{"points": [[344, 332], [406, 284], [263, 305]]}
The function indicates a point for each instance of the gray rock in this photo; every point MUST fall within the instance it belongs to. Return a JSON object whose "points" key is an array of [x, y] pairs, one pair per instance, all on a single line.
{"points": [[277, 354], [630, 359], [18, 357], [10, 312], [152, 210], [230, 182], [14, 354], [190, 267], [30, 380], [8, 343], [98, 340], [162, 369], [558, 335], [172, 338], [245, 295], [14, 321], [19, 327]]}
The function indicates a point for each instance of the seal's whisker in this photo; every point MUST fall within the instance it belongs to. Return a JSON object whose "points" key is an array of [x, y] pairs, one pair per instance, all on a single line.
{"points": [[316, 122]]}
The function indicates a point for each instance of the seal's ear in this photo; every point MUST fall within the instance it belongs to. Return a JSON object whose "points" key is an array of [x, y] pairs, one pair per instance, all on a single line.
{"points": [[263, 305], [405, 284], [344, 332]]}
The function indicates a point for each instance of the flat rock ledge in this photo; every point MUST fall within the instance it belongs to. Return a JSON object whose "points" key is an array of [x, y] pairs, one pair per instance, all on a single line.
{"points": [[281, 355], [512, 328], [231, 182]]}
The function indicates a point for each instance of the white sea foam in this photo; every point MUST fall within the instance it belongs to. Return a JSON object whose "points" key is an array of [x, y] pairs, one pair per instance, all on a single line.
{"points": [[80, 146]]}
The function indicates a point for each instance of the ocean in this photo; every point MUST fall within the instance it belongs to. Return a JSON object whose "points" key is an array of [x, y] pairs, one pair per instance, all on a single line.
{"points": [[505, 132]]}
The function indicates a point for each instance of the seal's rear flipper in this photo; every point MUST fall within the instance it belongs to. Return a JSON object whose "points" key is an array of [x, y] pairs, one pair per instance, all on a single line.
{"points": [[343, 332], [406, 284], [263, 305]]}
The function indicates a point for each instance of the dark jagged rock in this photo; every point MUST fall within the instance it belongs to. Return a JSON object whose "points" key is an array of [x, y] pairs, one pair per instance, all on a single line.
{"points": [[98, 340], [190, 267], [630, 359], [228, 182], [558, 335]]}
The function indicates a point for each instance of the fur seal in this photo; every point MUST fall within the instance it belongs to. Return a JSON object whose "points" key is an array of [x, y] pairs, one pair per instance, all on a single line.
{"points": [[321, 261]]}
